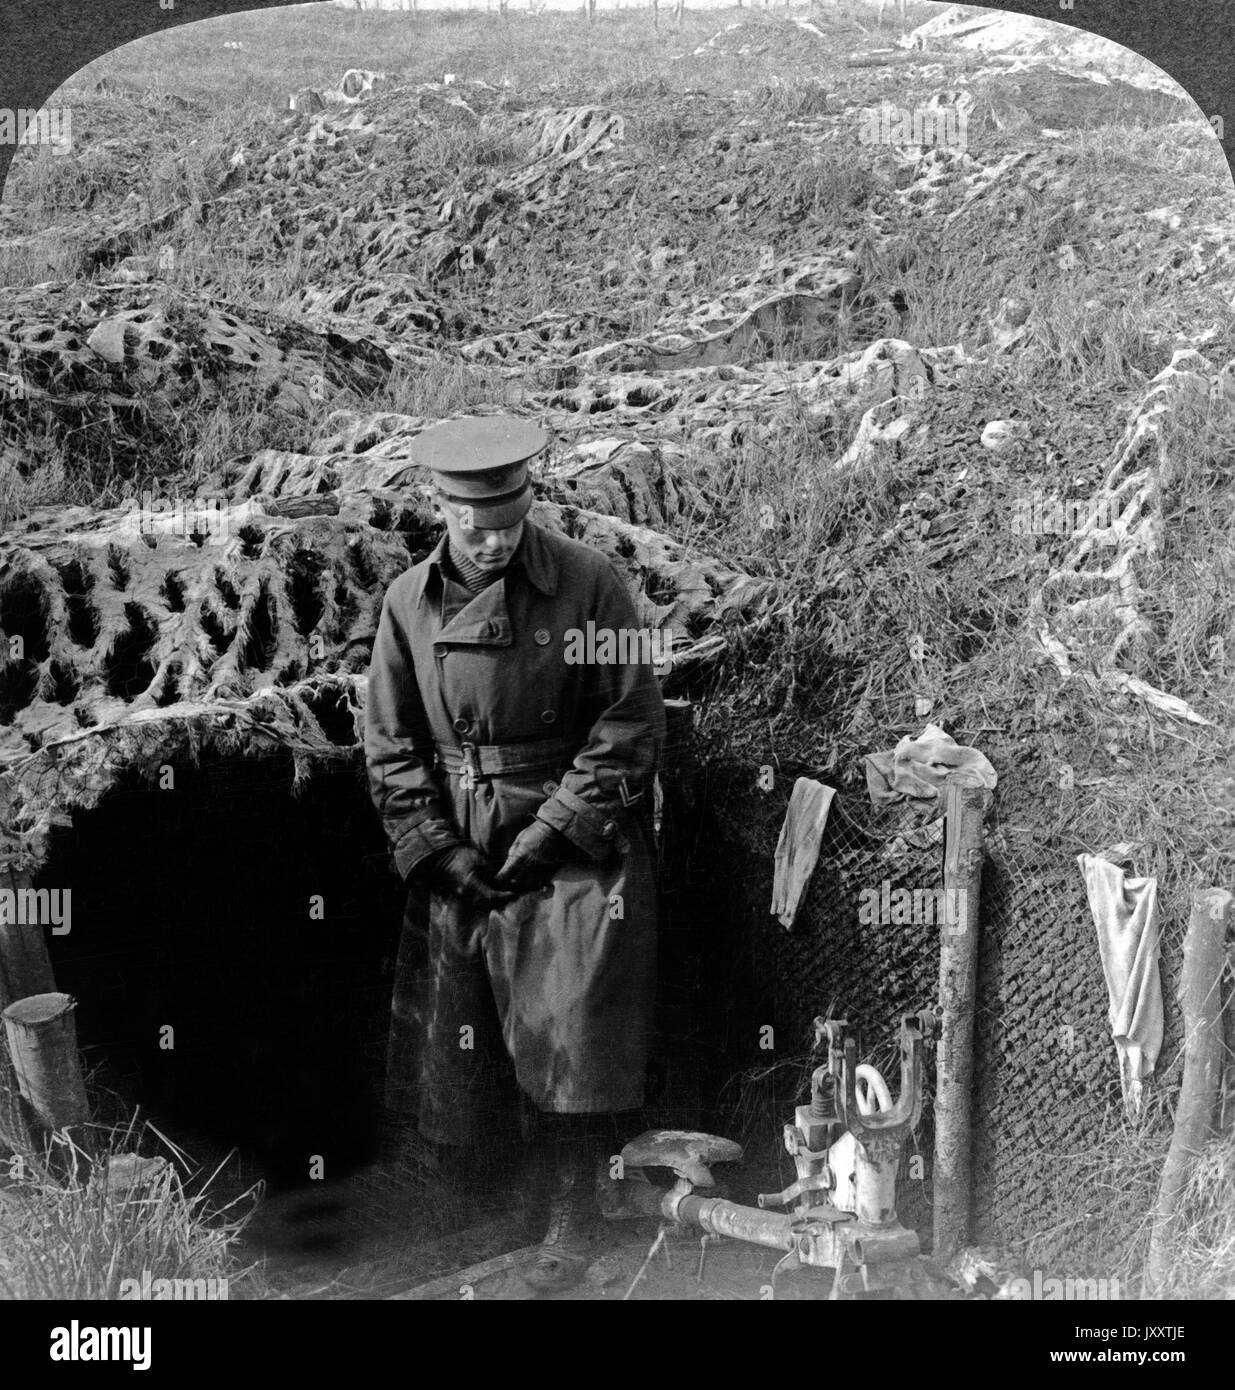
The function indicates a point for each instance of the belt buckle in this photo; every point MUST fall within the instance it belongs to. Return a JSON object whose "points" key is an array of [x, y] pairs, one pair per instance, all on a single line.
{"points": [[471, 767]]}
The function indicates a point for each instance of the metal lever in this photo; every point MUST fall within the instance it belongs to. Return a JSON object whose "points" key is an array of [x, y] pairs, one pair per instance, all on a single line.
{"points": [[818, 1182]]}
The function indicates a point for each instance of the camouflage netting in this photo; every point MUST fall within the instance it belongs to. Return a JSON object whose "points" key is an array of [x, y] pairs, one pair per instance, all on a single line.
{"points": [[141, 646], [132, 639]]}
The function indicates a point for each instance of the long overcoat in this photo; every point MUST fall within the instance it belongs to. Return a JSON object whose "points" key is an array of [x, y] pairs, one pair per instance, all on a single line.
{"points": [[482, 713]]}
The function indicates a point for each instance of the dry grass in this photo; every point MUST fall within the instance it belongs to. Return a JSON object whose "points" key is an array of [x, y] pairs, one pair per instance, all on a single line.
{"points": [[1201, 1252], [1110, 1189], [79, 1238]]}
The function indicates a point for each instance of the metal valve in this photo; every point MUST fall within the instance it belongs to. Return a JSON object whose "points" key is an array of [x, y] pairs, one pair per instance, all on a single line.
{"points": [[846, 1143]]}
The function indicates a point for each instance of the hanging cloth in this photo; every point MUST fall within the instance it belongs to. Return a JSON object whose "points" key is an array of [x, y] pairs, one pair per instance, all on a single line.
{"points": [[1125, 913], [797, 850]]}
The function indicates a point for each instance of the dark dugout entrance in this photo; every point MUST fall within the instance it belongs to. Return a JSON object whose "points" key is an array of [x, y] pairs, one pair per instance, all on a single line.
{"points": [[231, 953]]}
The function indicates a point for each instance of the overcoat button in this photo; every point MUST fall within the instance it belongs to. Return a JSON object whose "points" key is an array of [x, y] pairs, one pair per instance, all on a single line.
{"points": [[462, 726], [549, 788], [609, 829], [548, 716], [439, 649], [542, 636]]}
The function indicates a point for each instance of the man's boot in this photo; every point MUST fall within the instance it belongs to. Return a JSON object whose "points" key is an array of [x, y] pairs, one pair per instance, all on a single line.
{"points": [[565, 1250]]}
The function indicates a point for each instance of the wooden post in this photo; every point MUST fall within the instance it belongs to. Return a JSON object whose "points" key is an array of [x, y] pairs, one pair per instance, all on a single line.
{"points": [[448, 1285], [43, 1045], [1226, 1122], [681, 7], [679, 726], [1200, 997], [25, 969], [964, 849]]}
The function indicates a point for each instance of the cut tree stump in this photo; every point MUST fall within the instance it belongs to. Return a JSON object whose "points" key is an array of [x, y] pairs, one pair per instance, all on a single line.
{"points": [[42, 1042]]}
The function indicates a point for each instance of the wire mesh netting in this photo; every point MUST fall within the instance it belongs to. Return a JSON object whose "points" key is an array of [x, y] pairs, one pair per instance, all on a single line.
{"points": [[865, 946], [739, 992]]}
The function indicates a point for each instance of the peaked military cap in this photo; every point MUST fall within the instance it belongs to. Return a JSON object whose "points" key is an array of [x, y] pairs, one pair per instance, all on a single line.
{"points": [[481, 462]]}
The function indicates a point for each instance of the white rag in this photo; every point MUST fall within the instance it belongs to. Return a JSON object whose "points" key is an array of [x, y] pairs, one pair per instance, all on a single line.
{"points": [[797, 850], [1125, 912], [917, 768]]}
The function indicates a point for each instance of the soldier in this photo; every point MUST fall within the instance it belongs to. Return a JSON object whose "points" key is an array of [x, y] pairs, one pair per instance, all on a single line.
{"points": [[511, 785]]}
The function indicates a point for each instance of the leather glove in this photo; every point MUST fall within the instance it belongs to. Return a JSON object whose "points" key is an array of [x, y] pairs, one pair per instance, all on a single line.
{"points": [[461, 871], [536, 855]]}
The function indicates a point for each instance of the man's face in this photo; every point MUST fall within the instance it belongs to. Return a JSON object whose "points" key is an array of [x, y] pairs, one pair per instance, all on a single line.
{"points": [[490, 549]]}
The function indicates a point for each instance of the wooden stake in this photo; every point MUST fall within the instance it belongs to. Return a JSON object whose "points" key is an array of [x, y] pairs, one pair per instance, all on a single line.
{"points": [[452, 1285], [1226, 1122], [25, 969], [1200, 997], [964, 849], [42, 1042]]}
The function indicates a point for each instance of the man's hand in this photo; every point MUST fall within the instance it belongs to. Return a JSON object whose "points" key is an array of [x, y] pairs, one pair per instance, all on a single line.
{"points": [[462, 872], [536, 855]]}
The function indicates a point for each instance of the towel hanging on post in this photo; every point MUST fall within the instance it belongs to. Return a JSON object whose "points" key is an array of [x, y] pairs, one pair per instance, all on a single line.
{"points": [[916, 769]]}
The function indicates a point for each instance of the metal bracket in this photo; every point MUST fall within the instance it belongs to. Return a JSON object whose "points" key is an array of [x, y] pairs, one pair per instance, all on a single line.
{"points": [[819, 1182]]}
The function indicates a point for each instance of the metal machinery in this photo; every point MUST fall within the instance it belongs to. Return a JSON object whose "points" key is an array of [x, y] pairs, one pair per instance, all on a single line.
{"points": [[846, 1144]]}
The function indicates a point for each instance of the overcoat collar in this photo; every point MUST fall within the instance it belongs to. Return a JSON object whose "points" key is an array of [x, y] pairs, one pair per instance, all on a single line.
{"points": [[485, 620]]}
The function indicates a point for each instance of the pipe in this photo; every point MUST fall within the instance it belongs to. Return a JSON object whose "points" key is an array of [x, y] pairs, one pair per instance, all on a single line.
{"points": [[715, 1215], [723, 1218]]}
